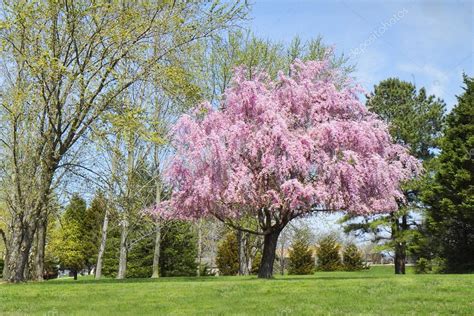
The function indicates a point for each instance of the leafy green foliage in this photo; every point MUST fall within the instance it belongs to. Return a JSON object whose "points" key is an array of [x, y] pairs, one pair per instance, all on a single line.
{"points": [[328, 253], [352, 258], [449, 194], [301, 256]]}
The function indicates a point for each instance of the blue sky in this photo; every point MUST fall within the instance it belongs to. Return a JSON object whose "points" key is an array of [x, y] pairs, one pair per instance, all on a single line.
{"points": [[429, 43]]}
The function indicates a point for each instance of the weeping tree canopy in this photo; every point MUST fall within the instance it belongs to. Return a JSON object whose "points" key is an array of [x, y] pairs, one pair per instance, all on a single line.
{"points": [[284, 148]]}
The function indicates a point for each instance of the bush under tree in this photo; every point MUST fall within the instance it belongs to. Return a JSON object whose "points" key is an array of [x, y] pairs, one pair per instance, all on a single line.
{"points": [[227, 259], [300, 256], [352, 258], [328, 253]]}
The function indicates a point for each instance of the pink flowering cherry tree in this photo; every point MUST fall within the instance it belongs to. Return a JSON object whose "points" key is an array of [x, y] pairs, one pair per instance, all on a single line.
{"points": [[284, 148]]}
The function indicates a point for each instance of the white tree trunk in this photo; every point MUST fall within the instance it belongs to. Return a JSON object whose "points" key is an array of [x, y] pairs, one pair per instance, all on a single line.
{"points": [[103, 241], [123, 250], [156, 254]]}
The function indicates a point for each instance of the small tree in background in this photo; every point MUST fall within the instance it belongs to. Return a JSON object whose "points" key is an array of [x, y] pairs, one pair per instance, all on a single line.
{"points": [[178, 249], [67, 242], [67, 246], [352, 258], [227, 259], [328, 255], [301, 256]]}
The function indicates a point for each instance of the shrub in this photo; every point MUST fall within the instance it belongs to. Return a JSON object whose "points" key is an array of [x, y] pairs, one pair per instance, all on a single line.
{"points": [[301, 257], [352, 258], [329, 258], [422, 266], [256, 263], [227, 259]]}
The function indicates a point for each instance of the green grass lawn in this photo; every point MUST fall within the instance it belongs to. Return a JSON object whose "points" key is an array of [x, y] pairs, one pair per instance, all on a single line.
{"points": [[375, 291]]}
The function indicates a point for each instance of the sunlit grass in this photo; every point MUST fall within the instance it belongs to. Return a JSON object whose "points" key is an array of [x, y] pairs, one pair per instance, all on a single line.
{"points": [[374, 291]]}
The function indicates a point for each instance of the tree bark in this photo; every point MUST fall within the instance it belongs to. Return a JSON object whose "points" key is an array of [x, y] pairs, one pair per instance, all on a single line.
{"points": [[103, 241], [123, 250], [74, 273], [242, 244], [5, 271], [19, 250], [400, 246], [156, 253], [268, 257], [199, 250], [40, 247]]}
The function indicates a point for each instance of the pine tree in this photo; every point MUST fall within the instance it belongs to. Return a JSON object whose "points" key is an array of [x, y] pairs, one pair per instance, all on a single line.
{"points": [[178, 250], [352, 258], [415, 119], [300, 256], [449, 195], [328, 255]]}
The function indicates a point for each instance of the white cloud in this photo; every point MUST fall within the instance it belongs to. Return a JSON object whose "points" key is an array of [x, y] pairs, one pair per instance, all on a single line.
{"points": [[438, 79]]}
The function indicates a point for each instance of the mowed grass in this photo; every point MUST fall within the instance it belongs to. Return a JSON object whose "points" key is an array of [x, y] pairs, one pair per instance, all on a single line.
{"points": [[376, 291]]}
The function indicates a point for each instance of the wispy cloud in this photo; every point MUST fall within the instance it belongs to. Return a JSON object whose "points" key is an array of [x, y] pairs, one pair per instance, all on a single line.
{"points": [[438, 78]]}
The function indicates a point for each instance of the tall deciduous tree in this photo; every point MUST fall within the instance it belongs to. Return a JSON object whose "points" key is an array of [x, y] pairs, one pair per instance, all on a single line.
{"points": [[283, 148], [449, 194], [65, 64]]}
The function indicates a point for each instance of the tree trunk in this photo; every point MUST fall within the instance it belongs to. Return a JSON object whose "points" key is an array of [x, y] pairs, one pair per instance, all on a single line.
{"points": [[400, 246], [242, 244], [40, 246], [156, 253], [6, 271], [103, 241], [74, 273], [282, 259], [199, 250], [123, 250], [19, 250], [265, 270]]}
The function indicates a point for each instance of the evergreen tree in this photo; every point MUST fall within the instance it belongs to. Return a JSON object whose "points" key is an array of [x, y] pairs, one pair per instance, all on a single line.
{"points": [[178, 250], [352, 258], [449, 194], [300, 256], [329, 258], [227, 259], [415, 120], [91, 228], [67, 241]]}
